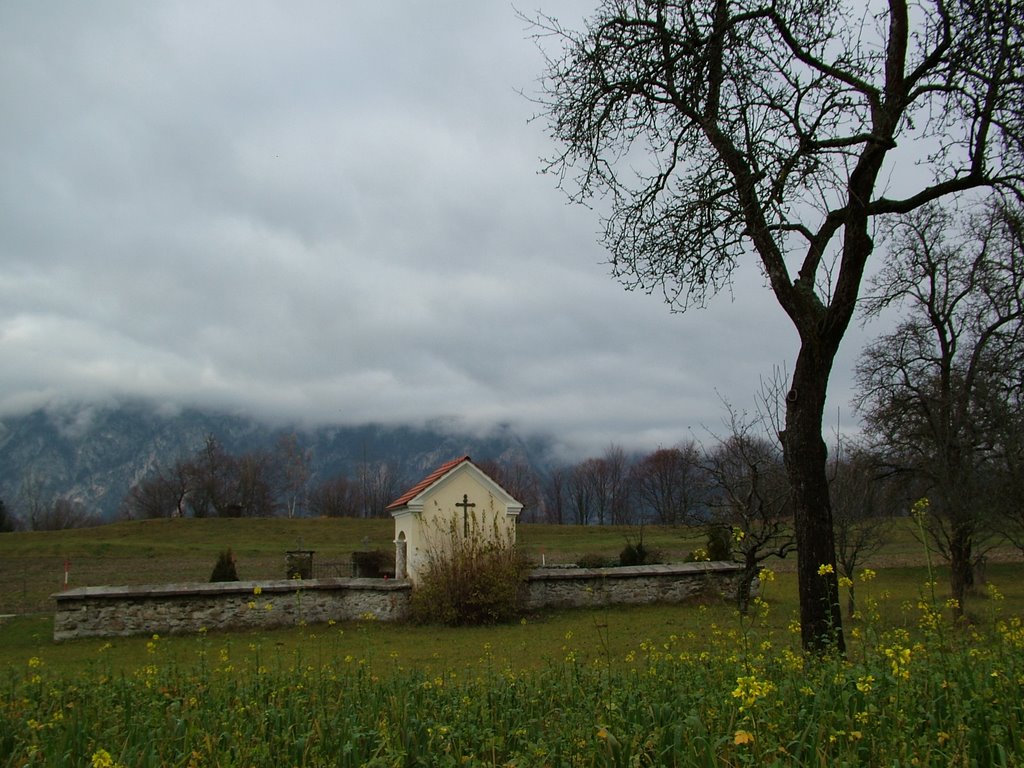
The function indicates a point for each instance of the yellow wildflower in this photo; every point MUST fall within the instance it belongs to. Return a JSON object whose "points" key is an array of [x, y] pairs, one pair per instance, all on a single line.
{"points": [[743, 737], [920, 507], [749, 689], [825, 568], [899, 659]]}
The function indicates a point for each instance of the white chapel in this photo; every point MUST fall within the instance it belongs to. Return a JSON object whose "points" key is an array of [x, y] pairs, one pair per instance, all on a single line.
{"points": [[456, 498]]}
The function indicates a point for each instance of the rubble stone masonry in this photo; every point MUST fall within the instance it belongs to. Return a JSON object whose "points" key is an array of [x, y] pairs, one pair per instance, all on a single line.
{"points": [[188, 608]]}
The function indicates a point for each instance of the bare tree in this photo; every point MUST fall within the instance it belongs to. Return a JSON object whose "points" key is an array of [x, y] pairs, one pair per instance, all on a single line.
{"points": [[378, 486], [519, 480], [33, 499], [209, 479], [8, 522], [860, 528], [580, 491], [162, 494], [555, 496], [670, 483], [749, 494], [294, 462], [613, 492], [336, 497], [935, 392], [62, 514], [255, 486], [599, 489], [728, 131], [1009, 476]]}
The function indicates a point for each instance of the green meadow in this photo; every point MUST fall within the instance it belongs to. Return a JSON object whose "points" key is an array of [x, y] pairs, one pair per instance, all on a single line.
{"points": [[692, 684]]}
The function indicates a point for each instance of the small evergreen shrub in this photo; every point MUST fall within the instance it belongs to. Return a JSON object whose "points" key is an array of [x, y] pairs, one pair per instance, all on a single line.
{"points": [[633, 554], [595, 560], [471, 579], [636, 552], [225, 569]]}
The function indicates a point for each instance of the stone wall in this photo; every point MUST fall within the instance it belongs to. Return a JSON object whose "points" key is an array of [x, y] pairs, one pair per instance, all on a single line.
{"points": [[640, 584], [184, 608]]}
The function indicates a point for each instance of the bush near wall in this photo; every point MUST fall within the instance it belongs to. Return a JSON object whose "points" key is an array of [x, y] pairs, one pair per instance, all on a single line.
{"points": [[471, 578]]}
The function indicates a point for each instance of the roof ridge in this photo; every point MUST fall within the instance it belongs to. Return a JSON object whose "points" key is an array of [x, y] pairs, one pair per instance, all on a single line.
{"points": [[427, 481]]}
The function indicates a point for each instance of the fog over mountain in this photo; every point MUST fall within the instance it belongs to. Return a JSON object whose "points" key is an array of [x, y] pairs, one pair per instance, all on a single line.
{"points": [[94, 454]]}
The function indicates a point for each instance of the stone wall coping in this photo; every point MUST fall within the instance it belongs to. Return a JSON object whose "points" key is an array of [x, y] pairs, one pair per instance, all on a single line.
{"points": [[633, 571], [206, 589]]}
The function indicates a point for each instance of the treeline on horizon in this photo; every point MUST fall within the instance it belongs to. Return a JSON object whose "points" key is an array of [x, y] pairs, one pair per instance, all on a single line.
{"points": [[686, 484]]}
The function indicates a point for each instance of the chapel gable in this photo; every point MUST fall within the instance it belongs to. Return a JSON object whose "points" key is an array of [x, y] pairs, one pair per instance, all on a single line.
{"points": [[450, 500]]}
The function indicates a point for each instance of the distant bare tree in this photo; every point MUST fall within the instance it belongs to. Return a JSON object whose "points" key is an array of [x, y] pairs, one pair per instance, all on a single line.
{"points": [[209, 479], [379, 485], [520, 481], [33, 499], [1008, 478], [670, 483], [937, 392], [600, 489], [63, 514], [162, 494], [8, 522], [255, 490], [860, 528], [580, 491], [336, 497], [555, 496], [617, 486], [750, 494], [294, 461]]}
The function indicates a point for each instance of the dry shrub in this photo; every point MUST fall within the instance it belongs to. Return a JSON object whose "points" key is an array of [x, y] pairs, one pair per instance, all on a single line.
{"points": [[471, 578]]}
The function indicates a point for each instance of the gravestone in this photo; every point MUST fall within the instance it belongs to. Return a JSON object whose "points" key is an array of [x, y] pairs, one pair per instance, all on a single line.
{"points": [[299, 563]]}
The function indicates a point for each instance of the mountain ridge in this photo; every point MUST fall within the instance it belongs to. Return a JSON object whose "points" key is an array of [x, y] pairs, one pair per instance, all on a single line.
{"points": [[94, 453]]}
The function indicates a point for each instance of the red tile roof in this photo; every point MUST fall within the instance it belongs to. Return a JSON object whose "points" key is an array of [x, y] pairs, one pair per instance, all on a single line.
{"points": [[426, 482]]}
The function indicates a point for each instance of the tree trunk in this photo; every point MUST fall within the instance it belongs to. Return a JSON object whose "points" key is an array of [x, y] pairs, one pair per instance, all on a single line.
{"points": [[961, 574], [805, 454], [750, 570]]}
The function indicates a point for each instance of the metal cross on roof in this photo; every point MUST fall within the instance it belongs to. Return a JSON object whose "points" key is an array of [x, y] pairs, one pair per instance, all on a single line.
{"points": [[466, 504]]}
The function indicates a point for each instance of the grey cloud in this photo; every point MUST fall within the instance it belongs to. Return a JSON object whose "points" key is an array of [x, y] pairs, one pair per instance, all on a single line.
{"points": [[328, 212]]}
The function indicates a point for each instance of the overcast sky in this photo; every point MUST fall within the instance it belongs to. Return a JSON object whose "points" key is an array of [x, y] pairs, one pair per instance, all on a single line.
{"points": [[333, 212]]}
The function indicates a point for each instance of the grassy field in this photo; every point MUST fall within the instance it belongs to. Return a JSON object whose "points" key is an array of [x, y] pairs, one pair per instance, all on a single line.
{"points": [[157, 551], [692, 684]]}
